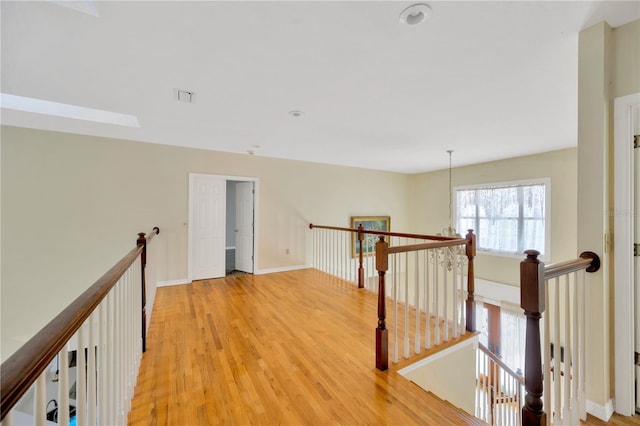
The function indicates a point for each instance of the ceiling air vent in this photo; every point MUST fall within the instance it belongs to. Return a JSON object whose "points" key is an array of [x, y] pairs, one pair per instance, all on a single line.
{"points": [[184, 95]]}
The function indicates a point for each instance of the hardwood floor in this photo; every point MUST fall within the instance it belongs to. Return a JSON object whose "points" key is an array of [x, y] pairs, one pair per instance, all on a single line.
{"points": [[288, 348], [292, 348]]}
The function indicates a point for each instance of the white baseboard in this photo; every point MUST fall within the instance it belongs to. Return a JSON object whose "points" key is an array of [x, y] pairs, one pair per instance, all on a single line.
{"points": [[173, 282], [603, 412], [281, 269]]}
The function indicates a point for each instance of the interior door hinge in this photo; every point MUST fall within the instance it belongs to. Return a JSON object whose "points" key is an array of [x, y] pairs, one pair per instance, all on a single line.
{"points": [[636, 141], [636, 250]]}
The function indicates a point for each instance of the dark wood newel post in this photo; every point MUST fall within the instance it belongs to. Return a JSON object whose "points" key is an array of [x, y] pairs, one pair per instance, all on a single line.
{"points": [[532, 300], [360, 267], [470, 303], [142, 241], [382, 334]]}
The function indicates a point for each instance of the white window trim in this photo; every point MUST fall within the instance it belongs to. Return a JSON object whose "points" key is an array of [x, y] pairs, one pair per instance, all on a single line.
{"points": [[547, 212]]}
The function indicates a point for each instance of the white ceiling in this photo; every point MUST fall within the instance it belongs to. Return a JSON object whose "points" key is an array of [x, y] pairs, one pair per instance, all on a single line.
{"points": [[489, 80]]}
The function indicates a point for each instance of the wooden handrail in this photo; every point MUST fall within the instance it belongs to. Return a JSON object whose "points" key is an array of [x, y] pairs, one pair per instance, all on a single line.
{"points": [[387, 234], [505, 367], [22, 368], [427, 246], [588, 260]]}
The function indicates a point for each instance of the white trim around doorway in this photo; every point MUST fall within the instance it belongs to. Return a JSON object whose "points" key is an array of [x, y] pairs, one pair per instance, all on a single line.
{"points": [[256, 232], [623, 254]]}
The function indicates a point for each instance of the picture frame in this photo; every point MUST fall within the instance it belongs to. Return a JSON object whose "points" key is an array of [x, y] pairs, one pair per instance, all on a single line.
{"points": [[374, 223]]}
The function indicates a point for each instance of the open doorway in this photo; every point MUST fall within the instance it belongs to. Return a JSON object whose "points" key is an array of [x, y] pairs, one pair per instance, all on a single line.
{"points": [[222, 228], [240, 227]]}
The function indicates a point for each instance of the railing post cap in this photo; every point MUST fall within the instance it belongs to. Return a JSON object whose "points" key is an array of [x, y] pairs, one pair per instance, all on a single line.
{"points": [[532, 254]]}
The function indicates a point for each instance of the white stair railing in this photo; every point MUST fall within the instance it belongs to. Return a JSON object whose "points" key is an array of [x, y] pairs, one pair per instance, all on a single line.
{"points": [[429, 281], [499, 390], [427, 288], [555, 361], [563, 346], [84, 363]]}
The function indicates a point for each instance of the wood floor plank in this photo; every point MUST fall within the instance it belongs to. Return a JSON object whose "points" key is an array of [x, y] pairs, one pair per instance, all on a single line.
{"points": [[287, 348]]}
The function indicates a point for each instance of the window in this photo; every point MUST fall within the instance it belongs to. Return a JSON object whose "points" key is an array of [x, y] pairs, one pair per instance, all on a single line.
{"points": [[507, 218], [513, 327]]}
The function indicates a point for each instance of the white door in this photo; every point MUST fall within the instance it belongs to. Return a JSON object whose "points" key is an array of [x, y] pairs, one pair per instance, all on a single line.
{"points": [[207, 213], [244, 226]]}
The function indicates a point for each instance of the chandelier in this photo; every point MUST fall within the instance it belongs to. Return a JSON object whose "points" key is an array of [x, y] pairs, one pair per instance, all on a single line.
{"points": [[450, 256]]}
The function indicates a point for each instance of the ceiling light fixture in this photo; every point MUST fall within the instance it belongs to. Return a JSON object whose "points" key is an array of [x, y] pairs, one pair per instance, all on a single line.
{"points": [[296, 113], [415, 14], [451, 256]]}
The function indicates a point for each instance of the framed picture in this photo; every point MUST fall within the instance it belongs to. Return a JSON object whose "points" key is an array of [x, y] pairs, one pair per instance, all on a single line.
{"points": [[374, 223]]}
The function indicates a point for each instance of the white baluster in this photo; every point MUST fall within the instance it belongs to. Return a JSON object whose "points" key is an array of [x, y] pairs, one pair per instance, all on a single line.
{"points": [[456, 295], [63, 387], [566, 414], [427, 328], [128, 339], [557, 378], [40, 400], [445, 286], [81, 374], [487, 390], [343, 257], [120, 369], [346, 256], [580, 373], [327, 248], [8, 419], [416, 279], [436, 301], [92, 370], [395, 308], [546, 351], [406, 305], [103, 365], [111, 355], [477, 387], [320, 249], [334, 255]]}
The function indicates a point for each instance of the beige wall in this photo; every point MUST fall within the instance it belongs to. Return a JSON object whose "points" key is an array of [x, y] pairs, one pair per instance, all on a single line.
{"points": [[72, 206], [429, 196], [608, 67], [434, 374]]}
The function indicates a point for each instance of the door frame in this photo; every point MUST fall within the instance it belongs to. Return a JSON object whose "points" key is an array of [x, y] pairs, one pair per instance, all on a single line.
{"points": [[623, 207], [256, 189]]}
